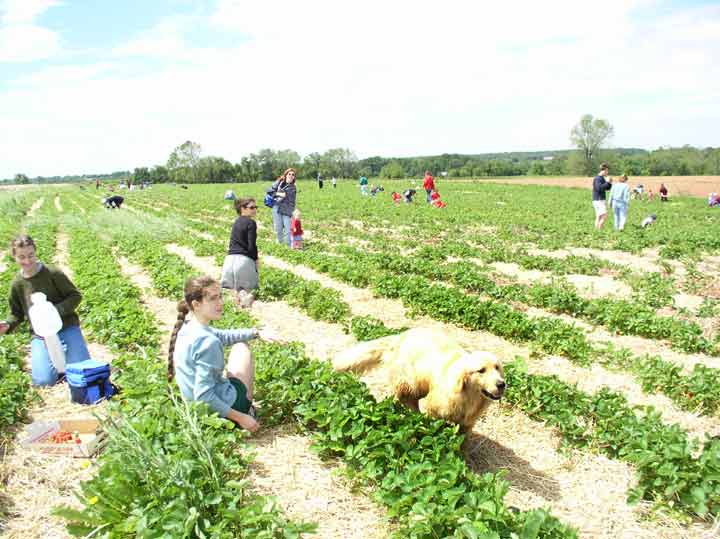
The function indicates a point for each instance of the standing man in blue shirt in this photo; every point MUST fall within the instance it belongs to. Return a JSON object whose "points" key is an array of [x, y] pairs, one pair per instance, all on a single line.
{"points": [[600, 187]]}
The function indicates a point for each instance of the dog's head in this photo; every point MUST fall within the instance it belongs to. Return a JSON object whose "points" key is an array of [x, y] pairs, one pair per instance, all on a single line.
{"points": [[481, 372]]}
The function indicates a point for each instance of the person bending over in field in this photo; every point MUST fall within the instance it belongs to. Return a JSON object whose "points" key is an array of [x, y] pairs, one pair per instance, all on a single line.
{"points": [[35, 276], [648, 221], [114, 202], [196, 361], [241, 268], [435, 199]]}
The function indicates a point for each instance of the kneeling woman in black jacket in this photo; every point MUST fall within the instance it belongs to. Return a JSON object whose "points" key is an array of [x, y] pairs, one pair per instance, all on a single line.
{"points": [[240, 268]]}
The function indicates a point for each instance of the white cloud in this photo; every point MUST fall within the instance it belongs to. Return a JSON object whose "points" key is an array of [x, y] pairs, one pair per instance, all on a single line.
{"points": [[21, 40], [388, 78], [23, 11], [164, 40]]}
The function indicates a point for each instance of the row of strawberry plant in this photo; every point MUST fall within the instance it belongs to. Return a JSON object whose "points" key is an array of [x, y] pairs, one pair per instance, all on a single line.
{"points": [[15, 391], [413, 463], [699, 391], [161, 452], [318, 302], [673, 471], [415, 486], [664, 487], [621, 316]]}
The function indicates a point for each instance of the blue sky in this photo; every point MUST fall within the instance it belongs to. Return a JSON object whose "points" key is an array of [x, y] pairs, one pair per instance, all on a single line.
{"points": [[95, 86]]}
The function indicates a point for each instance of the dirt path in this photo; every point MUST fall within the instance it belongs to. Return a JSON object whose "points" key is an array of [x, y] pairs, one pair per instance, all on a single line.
{"points": [[310, 490], [361, 301], [540, 474], [57, 203], [587, 286], [79, 207], [36, 206], [165, 311]]}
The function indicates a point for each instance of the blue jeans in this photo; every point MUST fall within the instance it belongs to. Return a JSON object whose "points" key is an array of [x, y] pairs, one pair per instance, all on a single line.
{"points": [[282, 226], [429, 195], [620, 212], [43, 370]]}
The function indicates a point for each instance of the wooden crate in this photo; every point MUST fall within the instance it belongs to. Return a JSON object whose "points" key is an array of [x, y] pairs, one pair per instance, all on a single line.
{"points": [[39, 432]]}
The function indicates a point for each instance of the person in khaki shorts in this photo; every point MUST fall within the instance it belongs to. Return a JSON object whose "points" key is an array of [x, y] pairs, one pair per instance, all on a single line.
{"points": [[600, 186]]}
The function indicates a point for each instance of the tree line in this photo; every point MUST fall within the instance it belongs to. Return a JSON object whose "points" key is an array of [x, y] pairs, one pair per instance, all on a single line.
{"points": [[589, 136], [185, 164], [268, 164]]}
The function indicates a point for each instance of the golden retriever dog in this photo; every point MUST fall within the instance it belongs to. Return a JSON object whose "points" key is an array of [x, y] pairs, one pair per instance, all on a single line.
{"points": [[425, 363]]}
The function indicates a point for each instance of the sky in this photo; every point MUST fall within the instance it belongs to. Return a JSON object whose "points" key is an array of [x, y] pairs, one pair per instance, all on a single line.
{"points": [[91, 86]]}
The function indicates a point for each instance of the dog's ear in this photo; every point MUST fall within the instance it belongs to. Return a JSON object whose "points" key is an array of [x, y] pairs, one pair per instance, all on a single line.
{"points": [[462, 381]]}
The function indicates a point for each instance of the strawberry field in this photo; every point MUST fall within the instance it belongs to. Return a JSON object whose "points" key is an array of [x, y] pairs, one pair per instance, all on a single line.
{"points": [[611, 342]]}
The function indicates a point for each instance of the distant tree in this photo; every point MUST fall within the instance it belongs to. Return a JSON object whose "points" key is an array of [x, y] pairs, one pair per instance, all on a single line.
{"points": [[21, 178], [588, 136], [537, 168], [372, 166], [159, 174], [392, 170], [213, 169], [183, 162], [140, 175], [339, 162], [247, 170]]}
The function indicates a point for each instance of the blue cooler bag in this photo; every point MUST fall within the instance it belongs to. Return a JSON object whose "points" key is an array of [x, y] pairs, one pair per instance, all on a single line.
{"points": [[89, 381]]}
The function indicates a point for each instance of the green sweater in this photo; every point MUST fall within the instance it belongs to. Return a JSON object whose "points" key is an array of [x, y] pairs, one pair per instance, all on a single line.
{"points": [[60, 291]]}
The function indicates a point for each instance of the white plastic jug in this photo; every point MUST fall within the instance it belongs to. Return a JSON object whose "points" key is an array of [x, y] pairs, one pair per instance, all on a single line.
{"points": [[46, 323]]}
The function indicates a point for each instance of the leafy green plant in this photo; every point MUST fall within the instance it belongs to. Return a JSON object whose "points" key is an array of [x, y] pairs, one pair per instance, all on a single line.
{"points": [[412, 462]]}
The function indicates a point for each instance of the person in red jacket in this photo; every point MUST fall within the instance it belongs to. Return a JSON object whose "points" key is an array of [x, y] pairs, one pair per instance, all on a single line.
{"points": [[296, 231], [396, 197], [428, 185]]}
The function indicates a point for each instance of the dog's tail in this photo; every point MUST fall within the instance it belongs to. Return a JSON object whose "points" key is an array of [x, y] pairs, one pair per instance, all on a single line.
{"points": [[364, 355]]}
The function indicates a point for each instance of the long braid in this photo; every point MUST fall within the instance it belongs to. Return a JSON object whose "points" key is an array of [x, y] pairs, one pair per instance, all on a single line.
{"points": [[183, 310]]}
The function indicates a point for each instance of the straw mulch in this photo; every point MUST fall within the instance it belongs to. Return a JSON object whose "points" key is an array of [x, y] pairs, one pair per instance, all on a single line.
{"points": [[165, 311], [36, 206], [586, 490], [361, 301], [588, 286], [311, 490]]}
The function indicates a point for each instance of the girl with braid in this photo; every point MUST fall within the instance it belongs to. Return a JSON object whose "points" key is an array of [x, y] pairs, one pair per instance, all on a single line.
{"points": [[196, 358]]}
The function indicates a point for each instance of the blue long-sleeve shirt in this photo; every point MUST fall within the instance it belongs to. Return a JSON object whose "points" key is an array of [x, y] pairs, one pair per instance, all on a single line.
{"points": [[620, 194], [200, 364]]}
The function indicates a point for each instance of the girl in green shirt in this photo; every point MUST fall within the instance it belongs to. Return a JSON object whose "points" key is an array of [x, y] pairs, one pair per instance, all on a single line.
{"points": [[35, 276]]}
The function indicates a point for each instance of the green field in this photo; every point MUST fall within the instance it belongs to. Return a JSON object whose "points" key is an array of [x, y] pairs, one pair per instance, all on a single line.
{"points": [[611, 342]]}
